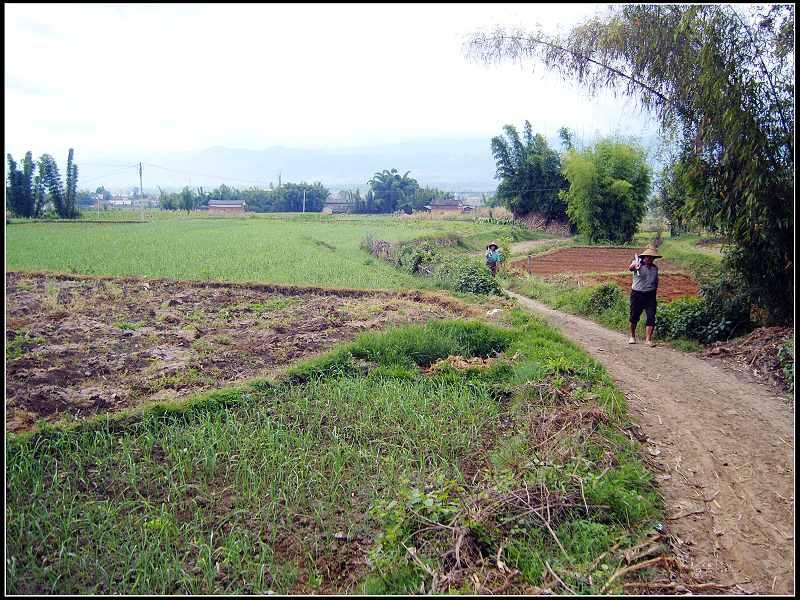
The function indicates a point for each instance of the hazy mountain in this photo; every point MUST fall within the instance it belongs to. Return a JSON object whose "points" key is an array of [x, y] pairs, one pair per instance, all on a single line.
{"points": [[452, 164], [448, 164]]}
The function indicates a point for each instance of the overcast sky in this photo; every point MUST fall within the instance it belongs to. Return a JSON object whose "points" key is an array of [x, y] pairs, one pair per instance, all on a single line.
{"points": [[125, 80]]}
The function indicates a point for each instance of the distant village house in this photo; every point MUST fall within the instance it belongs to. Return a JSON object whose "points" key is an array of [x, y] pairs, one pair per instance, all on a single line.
{"points": [[336, 204], [226, 207], [446, 204]]}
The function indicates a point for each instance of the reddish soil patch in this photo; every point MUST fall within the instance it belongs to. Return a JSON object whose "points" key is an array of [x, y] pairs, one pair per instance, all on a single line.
{"points": [[79, 346], [670, 285], [606, 265]]}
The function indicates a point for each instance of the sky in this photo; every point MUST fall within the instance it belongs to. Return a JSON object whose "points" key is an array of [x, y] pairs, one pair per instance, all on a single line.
{"points": [[125, 80]]}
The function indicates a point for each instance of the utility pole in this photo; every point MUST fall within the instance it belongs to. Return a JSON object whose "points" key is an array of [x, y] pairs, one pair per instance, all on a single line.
{"points": [[304, 201], [141, 194]]}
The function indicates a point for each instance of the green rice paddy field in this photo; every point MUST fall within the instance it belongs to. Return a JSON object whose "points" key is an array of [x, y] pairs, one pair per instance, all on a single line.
{"points": [[302, 250]]}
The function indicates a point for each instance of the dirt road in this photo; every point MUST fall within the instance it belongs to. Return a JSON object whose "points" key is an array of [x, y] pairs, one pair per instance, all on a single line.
{"points": [[722, 449]]}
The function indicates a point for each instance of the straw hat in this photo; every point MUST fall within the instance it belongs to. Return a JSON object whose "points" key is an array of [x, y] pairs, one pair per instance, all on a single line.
{"points": [[492, 244], [650, 251]]}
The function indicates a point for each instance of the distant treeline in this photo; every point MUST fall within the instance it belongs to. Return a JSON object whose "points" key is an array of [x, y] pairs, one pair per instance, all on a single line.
{"points": [[389, 192], [286, 198]]}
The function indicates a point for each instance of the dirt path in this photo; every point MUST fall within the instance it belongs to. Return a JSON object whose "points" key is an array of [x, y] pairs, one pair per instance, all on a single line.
{"points": [[518, 248], [722, 449], [523, 247]]}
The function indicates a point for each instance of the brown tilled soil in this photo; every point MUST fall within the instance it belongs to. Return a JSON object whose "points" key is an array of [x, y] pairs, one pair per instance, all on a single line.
{"points": [[606, 265], [721, 447], [78, 346], [670, 285]]}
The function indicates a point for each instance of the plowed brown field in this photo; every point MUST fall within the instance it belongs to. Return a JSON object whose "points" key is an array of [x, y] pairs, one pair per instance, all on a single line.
{"points": [[606, 265], [78, 346]]}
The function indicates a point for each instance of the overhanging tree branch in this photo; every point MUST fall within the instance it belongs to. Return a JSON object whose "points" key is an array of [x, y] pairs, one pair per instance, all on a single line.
{"points": [[531, 40]]}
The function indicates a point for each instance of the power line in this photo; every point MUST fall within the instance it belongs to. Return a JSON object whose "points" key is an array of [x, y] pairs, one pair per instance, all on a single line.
{"points": [[109, 174], [204, 174]]}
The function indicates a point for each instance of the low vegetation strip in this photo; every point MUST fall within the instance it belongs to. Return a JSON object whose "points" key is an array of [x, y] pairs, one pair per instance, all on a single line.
{"points": [[364, 470]]}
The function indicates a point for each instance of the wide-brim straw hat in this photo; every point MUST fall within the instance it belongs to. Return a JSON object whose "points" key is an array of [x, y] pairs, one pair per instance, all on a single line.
{"points": [[650, 251], [495, 244]]}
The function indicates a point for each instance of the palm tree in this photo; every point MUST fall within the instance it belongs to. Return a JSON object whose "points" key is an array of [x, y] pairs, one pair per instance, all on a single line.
{"points": [[391, 189]]}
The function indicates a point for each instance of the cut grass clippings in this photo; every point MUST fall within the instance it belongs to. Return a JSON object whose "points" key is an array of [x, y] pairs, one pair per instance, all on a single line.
{"points": [[358, 472]]}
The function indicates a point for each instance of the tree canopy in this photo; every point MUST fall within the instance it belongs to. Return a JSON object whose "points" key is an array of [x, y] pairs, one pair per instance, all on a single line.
{"points": [[529, 172], [720, 81], [392, 191], [608, 191]]}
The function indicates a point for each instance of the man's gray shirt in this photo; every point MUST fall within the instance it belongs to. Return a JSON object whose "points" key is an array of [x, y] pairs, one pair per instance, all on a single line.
{"points": [[645, 279]]}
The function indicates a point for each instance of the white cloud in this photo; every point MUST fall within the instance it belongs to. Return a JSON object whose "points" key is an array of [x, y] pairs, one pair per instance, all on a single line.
{"points": [[119, 79]]}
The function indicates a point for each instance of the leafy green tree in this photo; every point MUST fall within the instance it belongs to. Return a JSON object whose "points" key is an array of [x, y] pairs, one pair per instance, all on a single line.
{"points": [[529, 172], [392, 191], [166, 201], [608, 191], [28, 167], [39, 192], [51, 180], [19, 187], [70, 192], [289, 197], [566, 138], [720, 79], [186, 199], [675, 192], [14, 191]]}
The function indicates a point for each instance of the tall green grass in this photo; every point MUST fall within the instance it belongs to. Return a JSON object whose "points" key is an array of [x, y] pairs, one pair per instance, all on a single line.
{"points": [[270, 486], [290, 249]]}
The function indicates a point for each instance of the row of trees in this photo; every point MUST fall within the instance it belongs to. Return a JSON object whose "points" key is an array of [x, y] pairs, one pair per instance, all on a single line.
{"points": [[602, 190], [289, 197], [719, 78], [36, 188], [389, 192]]}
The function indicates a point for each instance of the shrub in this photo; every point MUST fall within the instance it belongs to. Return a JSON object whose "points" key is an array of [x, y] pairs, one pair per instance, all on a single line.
{"points": [[464, 275], [728, 308], [681, 318], [603, 297], [412, 257], [717, 315]]}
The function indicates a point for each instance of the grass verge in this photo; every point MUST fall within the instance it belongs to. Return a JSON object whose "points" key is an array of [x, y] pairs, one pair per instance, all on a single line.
{"points": [[348, 475]]}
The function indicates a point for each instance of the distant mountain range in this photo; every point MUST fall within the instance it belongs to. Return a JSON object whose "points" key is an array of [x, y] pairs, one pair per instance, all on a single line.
{"points": [[451, 165], [456, 165]]}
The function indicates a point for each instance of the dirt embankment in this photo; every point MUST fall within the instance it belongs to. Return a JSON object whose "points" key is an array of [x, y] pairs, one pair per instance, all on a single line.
{"points": [[722, 451], [78, 346]]}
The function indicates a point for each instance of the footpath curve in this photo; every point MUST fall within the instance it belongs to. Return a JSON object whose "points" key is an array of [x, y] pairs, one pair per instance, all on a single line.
{"points": [[723, 453]]}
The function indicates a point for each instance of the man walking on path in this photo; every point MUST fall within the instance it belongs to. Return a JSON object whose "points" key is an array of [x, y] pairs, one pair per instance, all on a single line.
{"points": [[643, 292]]}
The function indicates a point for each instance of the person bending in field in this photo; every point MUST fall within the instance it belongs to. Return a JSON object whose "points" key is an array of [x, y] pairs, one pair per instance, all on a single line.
{"points": [[643, 292], [493, 257]]}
